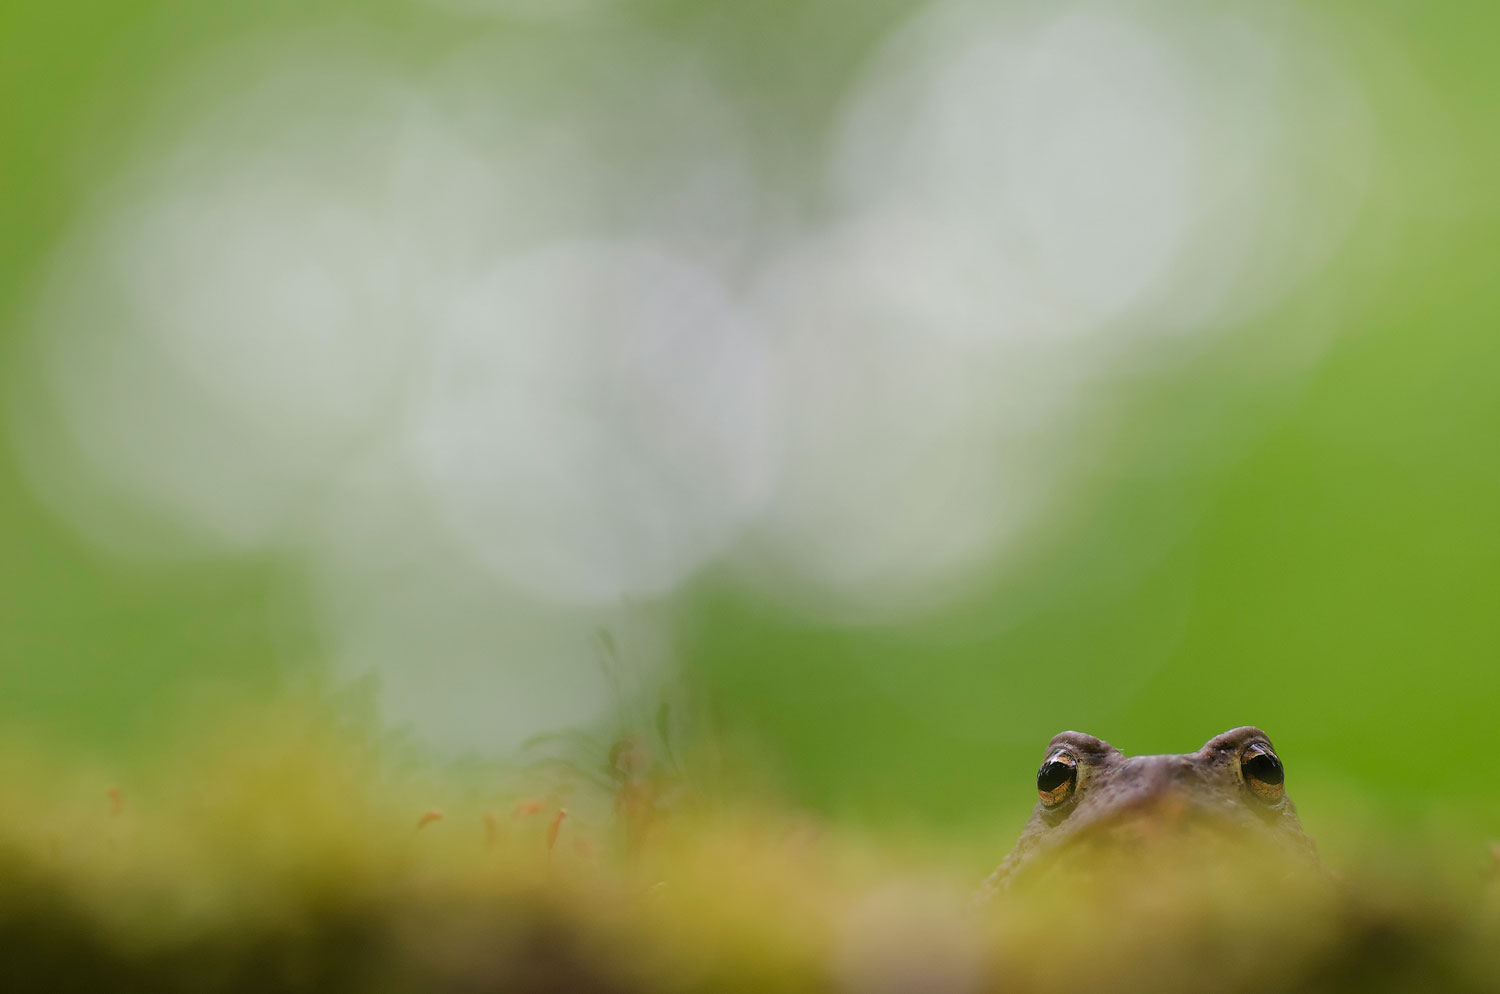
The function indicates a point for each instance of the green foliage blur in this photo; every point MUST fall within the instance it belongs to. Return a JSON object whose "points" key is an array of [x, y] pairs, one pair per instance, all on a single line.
{"points": [[1314, 550]]}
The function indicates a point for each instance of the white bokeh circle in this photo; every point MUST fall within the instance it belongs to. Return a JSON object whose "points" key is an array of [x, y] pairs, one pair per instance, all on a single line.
{"points": [[598, 421]]}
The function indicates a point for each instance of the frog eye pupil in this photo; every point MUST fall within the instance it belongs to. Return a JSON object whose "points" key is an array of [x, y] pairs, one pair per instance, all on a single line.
{"points": [[1053, 775], [1265, 768], [1056, 780]]}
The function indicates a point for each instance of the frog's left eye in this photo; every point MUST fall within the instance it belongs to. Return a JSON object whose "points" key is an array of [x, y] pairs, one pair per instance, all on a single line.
{"points": [[1057, 779], [1262, 772]]}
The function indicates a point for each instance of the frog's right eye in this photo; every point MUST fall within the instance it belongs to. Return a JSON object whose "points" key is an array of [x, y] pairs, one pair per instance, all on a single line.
{"points": [[1057, 779], [1262, 772]]}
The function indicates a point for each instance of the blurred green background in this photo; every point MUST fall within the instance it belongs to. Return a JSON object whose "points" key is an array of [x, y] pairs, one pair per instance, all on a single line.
{"points": [[1232, 537]]}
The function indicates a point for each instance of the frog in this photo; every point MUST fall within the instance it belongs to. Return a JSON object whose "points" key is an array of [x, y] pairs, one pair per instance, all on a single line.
{"points": [[1091, 797]]}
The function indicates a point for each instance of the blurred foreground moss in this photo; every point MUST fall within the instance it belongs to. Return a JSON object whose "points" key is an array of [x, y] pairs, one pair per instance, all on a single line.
{"points": [[295, 860]]}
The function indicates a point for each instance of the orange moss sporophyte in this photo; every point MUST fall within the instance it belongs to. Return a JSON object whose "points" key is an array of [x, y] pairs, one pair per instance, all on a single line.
{"points": [[553, 829]]}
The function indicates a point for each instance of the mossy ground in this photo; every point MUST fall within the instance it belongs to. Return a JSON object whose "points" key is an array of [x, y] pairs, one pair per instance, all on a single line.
{"points": [[299, 862]]}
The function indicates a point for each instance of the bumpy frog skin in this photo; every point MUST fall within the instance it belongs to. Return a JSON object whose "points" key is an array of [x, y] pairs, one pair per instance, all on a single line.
{"points": [[1094, 796]]}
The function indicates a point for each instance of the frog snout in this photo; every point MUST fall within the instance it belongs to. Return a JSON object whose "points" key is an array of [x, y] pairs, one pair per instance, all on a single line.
{"points": [[1170, 783], [1163, 799]]}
